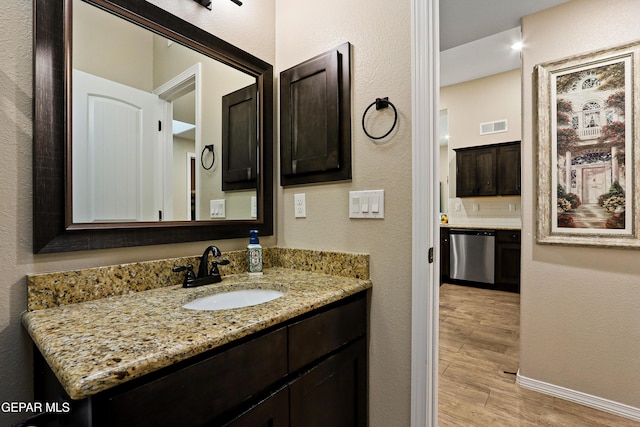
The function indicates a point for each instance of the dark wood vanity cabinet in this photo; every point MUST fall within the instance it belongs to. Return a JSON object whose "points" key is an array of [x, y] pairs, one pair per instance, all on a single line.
{"points": [[309, 371], [490, 170]]}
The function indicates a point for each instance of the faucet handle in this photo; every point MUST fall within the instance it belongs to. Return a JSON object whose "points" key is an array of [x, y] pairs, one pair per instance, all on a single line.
{"points": [[189, 277], [214, 269]]}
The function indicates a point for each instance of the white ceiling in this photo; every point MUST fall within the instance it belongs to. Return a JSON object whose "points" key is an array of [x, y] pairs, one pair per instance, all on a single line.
{"points": [[476, 36]]}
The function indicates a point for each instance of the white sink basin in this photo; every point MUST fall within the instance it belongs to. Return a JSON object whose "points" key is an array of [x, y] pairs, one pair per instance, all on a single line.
{"points": [[234, 299]]}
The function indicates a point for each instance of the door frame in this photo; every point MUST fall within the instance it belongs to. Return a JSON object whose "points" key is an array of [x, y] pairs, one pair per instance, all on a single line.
{"points": [[425, 219], [187, 81]]}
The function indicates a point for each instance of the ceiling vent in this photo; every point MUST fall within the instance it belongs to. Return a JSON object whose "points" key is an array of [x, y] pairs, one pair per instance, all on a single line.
{"points": [[493, 127]]}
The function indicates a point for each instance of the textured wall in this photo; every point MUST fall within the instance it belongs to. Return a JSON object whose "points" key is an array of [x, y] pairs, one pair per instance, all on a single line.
{"points": [[251, 27], [380, 32], [579, 322]]}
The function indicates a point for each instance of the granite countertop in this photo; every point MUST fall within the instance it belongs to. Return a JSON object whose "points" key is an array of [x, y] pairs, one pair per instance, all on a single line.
{"points": [[481, 227], [94, 345]]}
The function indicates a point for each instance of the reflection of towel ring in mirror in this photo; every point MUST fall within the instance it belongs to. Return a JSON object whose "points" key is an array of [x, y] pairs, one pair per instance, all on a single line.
{"points": [[213, 156], [380, 103]]}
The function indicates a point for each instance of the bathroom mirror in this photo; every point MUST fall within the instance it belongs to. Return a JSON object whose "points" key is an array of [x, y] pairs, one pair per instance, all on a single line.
{"points": [[102, 179]]}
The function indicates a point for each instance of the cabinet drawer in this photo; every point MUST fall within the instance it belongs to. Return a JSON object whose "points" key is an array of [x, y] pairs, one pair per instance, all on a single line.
{"points": [[207, 389], [508, 236], [318, 335]]}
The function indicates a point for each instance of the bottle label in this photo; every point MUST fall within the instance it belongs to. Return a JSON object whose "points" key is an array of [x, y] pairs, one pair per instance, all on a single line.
{"points": [[255, 260]]}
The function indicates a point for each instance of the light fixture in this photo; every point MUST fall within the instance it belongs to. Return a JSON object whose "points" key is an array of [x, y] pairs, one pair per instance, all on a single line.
{"points": [[207, 3], [517, 46]]}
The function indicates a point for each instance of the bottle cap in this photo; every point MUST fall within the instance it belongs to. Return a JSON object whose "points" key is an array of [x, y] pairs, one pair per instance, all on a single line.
{"points": [[253, 237]]}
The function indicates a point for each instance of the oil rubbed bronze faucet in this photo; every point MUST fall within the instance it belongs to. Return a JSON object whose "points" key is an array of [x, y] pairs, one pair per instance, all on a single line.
{"points": [[205, 275]]}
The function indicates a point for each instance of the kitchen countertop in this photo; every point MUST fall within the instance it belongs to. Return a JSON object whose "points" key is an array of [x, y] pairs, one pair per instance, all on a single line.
{"points": [[481, 227], [94, 345]]}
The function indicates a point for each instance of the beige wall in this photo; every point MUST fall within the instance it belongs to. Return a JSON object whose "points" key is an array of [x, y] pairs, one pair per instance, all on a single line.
{"points": [[380, 32], [468, 104], [579, 306], [251, 27]]}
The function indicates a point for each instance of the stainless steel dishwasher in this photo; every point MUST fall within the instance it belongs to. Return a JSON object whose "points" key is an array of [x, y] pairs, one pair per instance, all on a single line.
{"points": [[472, 255]]}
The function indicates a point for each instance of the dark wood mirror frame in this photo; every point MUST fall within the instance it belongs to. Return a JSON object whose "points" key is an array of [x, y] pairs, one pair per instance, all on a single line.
{"points": [[53, 230]]}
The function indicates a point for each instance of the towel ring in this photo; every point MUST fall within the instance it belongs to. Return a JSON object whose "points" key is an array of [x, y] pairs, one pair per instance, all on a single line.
{"points": [[380, 103], [213, 153]]}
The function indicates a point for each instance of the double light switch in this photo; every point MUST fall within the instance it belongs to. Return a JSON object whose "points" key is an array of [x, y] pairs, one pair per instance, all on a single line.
{"points": [[366, 204]]}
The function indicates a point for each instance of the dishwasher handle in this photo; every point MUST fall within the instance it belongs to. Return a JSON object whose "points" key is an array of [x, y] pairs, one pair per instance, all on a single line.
{"points": [[472, 232]]}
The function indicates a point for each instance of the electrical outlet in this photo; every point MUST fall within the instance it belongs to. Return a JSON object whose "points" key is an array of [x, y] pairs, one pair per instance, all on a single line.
{"points": [[300, 204]]}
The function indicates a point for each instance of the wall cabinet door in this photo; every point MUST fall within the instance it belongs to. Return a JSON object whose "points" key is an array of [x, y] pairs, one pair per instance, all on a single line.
{"points": [[509, 169], [486, 172], [465, 173]]}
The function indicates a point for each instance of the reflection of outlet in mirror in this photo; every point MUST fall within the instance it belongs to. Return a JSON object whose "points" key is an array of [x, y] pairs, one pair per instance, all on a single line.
{"points": [[217, 208], [299, 201]]}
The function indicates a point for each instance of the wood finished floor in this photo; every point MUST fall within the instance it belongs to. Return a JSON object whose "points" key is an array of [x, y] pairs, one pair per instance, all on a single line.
{"points": [[479, 342]]}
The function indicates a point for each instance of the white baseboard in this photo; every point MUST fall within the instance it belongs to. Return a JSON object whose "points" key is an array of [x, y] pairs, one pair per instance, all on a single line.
{"points": [[596, 402]]}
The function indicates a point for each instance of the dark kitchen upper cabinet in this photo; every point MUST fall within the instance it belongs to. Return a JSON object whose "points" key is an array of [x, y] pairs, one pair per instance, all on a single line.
{"points": [[490, 170], [315, 119]]}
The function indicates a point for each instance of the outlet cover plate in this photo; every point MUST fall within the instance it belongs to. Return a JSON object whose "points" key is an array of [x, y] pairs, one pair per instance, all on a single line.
{"points": [[300, 204]]}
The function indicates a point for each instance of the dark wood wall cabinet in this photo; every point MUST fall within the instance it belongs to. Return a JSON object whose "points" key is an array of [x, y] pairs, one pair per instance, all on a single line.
{"points": [[310, 371], [507, 261], [489, 170], [315, 119]]}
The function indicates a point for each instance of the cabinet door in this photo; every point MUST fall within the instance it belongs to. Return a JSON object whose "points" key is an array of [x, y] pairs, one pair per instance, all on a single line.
{"points": [[271, 412], [508, 261], [465, 173], [486, 182], [509, 169], [444, 255], [239, 139], [332, 393]]}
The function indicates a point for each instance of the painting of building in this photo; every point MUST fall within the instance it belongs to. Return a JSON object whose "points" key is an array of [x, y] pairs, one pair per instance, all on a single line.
{"points": [[590, 146]]}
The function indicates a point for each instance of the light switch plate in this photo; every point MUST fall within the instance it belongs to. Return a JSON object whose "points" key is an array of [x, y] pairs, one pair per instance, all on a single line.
{"points": [[366, 204], [217, 208]]}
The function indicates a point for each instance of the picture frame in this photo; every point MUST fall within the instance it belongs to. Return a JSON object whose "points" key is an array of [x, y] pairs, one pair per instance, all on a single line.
{"points": [[587, 128]]}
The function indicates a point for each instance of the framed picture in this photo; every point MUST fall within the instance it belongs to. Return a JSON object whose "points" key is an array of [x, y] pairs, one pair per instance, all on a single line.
{"points": [[587, 127]]}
